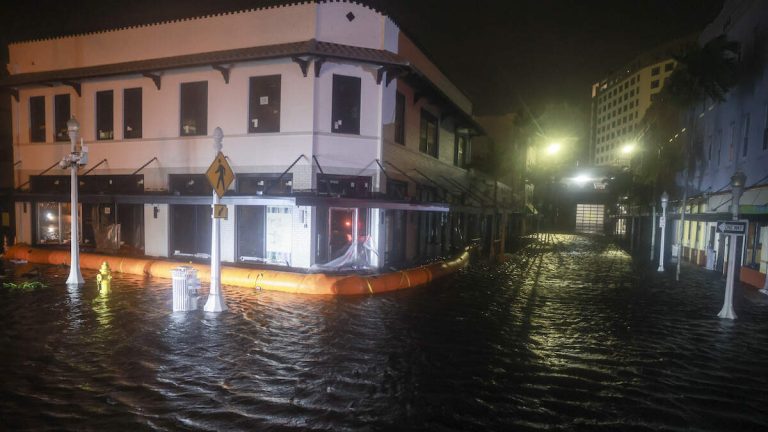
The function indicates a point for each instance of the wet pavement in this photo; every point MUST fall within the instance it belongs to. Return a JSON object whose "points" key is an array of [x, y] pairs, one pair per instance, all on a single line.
{"points": [[569, 334]]}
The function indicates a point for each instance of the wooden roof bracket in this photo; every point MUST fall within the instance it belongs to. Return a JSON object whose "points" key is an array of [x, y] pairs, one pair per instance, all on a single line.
{"points": [[75, 85], [224, 71], [318, 65], [155, 77], [14, 92], [303, 64]]}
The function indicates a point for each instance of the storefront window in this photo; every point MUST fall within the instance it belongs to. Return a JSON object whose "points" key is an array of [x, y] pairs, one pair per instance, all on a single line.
{"points": [[54, 223], [279, 236]]}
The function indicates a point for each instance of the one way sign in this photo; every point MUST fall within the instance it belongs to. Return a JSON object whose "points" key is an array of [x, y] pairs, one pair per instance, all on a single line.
{"points": [[732, 227]]}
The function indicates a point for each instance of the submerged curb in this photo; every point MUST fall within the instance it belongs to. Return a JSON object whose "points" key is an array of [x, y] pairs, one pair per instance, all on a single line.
{"points": [[271, 280]]}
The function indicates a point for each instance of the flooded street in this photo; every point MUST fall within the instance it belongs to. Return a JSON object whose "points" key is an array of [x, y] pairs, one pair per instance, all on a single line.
{"points": [[567, 335]]}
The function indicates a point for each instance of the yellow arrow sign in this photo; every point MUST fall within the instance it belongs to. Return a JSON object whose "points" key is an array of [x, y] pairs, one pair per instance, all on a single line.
{"points": [[220, 211], [220, 174]]}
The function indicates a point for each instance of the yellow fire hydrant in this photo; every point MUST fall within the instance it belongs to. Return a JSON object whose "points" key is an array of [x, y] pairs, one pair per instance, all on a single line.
{"points": [[104, 278]]}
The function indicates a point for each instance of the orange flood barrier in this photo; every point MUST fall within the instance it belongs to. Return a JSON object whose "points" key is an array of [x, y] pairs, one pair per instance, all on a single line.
{"points": [[273, 280]]}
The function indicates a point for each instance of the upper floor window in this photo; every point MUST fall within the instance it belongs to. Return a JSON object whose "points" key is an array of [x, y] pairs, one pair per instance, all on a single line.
{"points": [[264, 104], [428, 134], [132, 99], [461, 150], [345, 112], [194, 108], [655, 84], [765, 130], [669, 66], [655, 71], [745, 135], [105, 127], [37, 119], [61, 115], [399, 118]]}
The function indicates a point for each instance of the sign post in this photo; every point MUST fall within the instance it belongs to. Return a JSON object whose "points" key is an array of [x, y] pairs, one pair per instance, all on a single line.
{"points": [[220, 176], [734, 229]]}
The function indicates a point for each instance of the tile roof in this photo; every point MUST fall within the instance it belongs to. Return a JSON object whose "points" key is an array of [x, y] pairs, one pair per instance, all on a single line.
{"points": [[293, 49]]}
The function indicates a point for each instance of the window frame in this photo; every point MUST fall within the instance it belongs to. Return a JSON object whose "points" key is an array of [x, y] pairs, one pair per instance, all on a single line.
{"points": [[428, 118], [188, 110], [346, 120], [60, 131], [137, 130], [399, 118], [259, 87], [107, 117], [37, 111]]}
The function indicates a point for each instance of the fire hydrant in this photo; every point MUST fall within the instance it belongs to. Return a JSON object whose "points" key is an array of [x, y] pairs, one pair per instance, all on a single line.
{"points": [[104, 278]]}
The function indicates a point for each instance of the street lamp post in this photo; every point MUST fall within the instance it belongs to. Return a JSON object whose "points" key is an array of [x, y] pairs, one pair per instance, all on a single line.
{"points": [[737, 188], [663, 225], [72, 161]]}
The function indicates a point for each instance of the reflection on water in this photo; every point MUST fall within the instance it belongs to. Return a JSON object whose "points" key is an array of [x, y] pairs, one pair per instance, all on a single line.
{"points": [[568, 335]]}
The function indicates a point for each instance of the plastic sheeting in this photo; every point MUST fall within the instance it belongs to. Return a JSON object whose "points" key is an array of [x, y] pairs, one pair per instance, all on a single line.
{"points": [[356, 257]]}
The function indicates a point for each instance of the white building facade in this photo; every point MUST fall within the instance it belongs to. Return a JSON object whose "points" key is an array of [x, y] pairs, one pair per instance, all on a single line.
{"points": [[732, 136], [340, 131]]}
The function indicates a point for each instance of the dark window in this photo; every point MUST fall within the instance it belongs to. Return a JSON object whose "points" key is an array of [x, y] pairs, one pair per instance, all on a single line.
{"points": [[105, 115], [399, 118], [264, 184], [132, 113], [194, 108], [655, 71], [765, 130], [428, 134], [461, 148], [397, 189], [37, 119], [668, 67], [264, 104], [343, 186], [655, 84], [345, 112], [61, 115], [745, 135]]}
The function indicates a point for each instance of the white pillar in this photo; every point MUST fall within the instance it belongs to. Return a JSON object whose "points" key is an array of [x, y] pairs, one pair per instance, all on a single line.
{"points": [[75, 277], [737, 187], [664, 201], [215, 302], [653, 231]]}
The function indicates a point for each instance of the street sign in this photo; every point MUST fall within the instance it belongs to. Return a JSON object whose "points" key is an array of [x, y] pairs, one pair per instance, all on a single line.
{"points": [[220, 174], [662, 222], [732, 227], [220, 211]]}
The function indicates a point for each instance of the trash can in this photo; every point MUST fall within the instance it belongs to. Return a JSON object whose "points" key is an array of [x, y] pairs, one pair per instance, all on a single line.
{"points": [[185, 286]]}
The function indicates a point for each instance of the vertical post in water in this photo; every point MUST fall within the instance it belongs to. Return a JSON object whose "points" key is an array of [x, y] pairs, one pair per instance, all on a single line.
{"points": [[215, 302], [737, 187]]}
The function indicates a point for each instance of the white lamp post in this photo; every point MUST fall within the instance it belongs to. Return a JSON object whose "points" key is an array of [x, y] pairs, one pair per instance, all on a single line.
{"points": [[215, 302], [73, 161], [663, 225], [737, 188]]}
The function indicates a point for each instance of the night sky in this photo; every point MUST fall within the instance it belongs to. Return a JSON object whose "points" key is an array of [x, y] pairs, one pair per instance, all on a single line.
{"points": [[498, 51]]}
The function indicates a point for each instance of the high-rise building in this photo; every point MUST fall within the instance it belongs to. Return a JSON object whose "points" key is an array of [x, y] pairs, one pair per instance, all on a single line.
{"points": [[620, 100]]}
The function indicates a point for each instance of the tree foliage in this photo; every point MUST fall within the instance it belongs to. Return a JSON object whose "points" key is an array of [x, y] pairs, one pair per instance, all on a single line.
{"points": [[703, 73]]}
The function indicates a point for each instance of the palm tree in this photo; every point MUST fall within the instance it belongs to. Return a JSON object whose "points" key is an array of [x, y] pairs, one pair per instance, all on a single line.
{"points": [[703, 73]]}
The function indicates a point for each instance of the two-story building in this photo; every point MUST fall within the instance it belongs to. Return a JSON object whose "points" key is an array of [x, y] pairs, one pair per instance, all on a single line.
{"points": [[341, 131]]}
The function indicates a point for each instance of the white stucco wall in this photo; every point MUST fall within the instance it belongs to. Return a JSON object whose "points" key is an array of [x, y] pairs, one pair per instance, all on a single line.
{"points": [[228, 31], [156, 230]]}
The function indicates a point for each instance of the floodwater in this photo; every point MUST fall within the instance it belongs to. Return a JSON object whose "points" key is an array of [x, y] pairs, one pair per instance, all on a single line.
{"points": [[567, 335]]}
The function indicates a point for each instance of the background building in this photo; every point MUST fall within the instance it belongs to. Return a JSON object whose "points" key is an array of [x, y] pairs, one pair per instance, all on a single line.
{"points": [[620, 100]]}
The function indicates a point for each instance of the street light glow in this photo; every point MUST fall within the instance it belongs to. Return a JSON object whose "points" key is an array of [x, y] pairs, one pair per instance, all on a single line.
{"points": [[553, 148], [628, 148]]}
